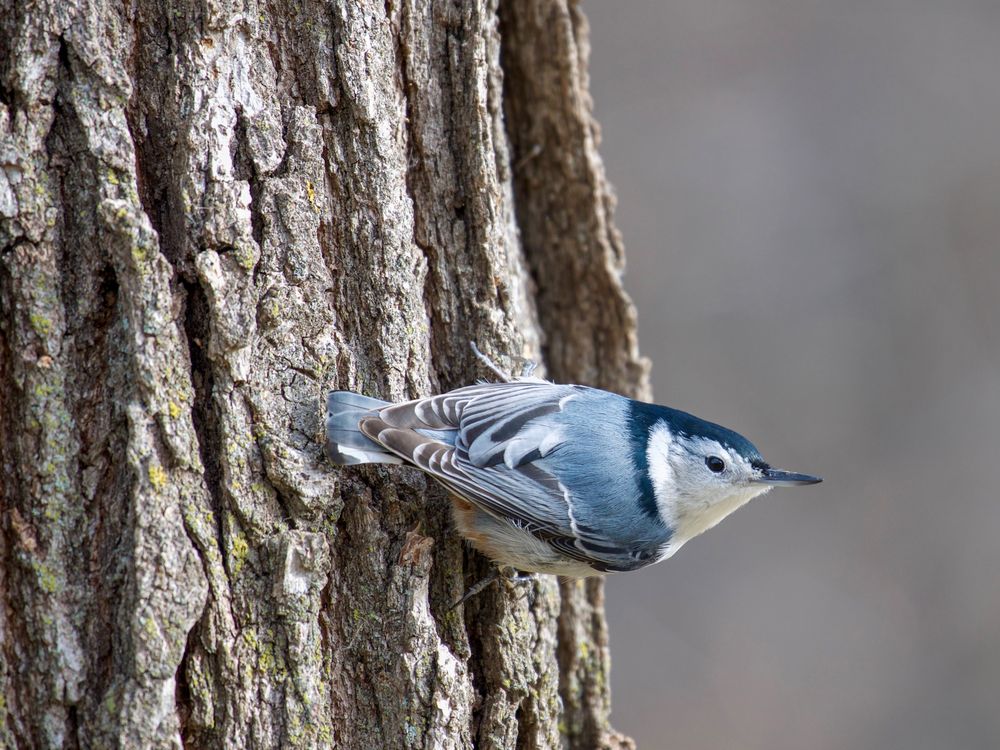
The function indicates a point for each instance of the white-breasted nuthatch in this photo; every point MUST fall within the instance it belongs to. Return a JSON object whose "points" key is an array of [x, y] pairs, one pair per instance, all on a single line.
{"points": [[560, 479]]}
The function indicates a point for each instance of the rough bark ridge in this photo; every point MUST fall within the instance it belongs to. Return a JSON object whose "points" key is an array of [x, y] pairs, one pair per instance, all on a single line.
{"points": [[210, 214]]}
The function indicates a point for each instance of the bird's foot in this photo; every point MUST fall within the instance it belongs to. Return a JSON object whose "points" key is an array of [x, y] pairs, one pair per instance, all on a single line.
{"points": [[526, 370], [510, 576]]}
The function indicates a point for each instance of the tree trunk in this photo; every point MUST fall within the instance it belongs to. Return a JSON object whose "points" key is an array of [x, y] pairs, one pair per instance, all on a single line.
{"points": [[210, 214]]}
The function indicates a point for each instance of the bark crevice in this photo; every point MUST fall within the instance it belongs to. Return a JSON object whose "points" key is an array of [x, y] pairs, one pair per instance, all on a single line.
{"points": [[203, 418]]}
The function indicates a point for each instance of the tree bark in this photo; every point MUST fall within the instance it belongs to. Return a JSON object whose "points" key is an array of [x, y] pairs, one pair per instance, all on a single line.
{"points": [[211, 213]]}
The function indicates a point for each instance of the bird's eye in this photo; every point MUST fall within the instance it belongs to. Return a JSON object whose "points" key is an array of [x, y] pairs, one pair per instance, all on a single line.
{"points": [[716, 464]]}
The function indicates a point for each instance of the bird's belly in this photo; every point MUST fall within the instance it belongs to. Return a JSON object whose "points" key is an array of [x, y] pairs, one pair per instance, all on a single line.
{"points": [[506, 544]]}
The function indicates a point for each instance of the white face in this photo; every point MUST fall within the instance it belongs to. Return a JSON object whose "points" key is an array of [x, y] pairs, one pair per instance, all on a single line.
{"points": [[698, 482]]}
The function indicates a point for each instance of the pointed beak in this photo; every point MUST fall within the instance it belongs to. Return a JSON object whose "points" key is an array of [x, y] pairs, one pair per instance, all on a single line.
{"points": [[780, 478]]}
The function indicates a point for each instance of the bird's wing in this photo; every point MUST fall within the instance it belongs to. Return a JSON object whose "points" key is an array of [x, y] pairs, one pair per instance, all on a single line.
{"points": [[489, 419], [502, 432]]}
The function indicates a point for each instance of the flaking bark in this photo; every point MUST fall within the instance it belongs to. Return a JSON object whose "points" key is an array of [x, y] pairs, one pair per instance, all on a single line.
{"points": [[210, 214]]}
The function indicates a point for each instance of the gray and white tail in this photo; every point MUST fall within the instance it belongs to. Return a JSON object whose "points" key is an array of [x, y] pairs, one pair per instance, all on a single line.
{"points": [[345, 444]]}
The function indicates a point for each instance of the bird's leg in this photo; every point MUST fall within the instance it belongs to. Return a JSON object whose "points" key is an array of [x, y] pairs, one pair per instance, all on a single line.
{"points": [[489, 363], [526, 371], [509, 575], [477, 588]]}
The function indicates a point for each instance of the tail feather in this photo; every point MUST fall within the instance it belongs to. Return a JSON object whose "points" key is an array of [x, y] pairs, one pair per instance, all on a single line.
{"points": [[345, 444]]}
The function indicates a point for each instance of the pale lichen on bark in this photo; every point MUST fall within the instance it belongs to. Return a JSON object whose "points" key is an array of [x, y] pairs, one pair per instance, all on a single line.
{"points": [[210, 214]]}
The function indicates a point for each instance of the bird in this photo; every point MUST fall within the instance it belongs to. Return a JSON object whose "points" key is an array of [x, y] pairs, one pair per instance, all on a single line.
{"points": [[562, 479]]}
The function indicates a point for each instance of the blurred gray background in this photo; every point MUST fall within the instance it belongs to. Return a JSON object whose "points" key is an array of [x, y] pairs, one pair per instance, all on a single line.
{"points": [[810, 198]]}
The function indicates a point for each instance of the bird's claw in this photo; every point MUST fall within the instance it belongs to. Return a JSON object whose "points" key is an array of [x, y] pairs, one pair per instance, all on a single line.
{"points": [[510, 576], [526, 370]]}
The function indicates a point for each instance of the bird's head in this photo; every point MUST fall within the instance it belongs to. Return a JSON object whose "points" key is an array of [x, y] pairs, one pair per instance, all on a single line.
{"points": [[701, 472]]}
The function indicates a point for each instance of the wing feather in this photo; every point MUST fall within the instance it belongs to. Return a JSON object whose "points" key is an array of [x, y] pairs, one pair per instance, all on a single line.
{"points": [[501, 429], [489, 418]]}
